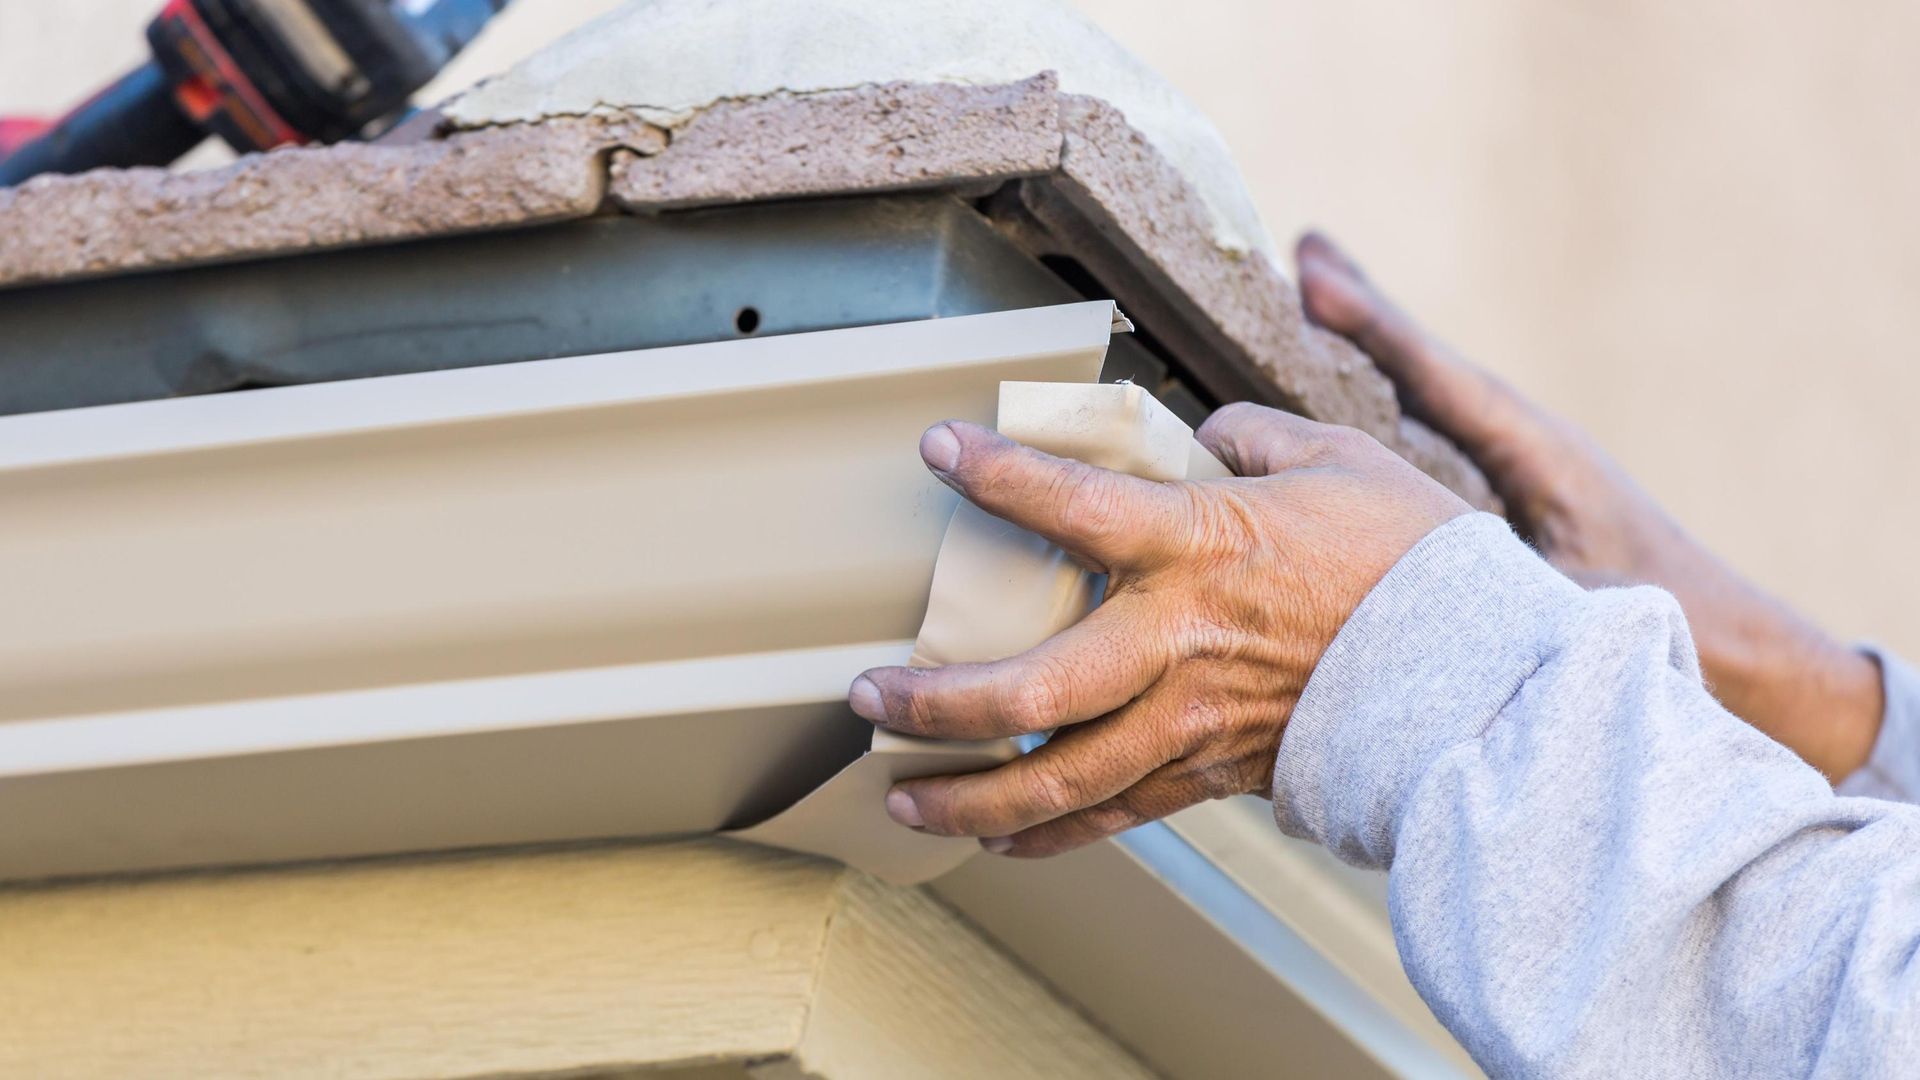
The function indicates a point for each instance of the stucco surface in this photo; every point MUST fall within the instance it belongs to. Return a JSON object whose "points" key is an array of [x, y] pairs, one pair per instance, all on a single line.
{"points": [[667, 60], [896, 136], [112, 221]]}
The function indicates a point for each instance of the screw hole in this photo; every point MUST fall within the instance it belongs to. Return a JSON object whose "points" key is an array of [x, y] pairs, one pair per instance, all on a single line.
{"points": [[747, 320]]}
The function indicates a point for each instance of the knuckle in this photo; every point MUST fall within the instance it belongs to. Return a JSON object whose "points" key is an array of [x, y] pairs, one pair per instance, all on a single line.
{"points": [[1233, 416], [1204, 637], [959, 816], [1197, 721], [1322, 439], [941, 812], [1030, 702], [1220, 780], [1116, 815], [1090, 504], [1228, 524], [1348, 443], [1050, 791], [1048, 840]]}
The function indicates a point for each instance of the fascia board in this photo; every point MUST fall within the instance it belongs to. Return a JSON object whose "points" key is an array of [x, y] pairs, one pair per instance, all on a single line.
{"points": [[1340, 910], [1173, 898], [614, 595]]}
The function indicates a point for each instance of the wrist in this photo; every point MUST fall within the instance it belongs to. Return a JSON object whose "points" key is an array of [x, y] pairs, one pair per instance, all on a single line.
{"points": [[1425, 663], [1818, 696], [1857, 690]]}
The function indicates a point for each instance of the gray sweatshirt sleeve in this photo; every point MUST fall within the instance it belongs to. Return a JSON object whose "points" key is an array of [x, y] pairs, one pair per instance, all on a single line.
{"points": [[1893, 772], [1594, 869]]}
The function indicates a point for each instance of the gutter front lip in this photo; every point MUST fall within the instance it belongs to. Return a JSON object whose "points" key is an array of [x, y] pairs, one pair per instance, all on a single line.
{"points": [[627, 692]]}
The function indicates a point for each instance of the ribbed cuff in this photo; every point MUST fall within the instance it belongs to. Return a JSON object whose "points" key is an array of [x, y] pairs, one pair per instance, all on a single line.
{"points": [[1426, 662], [1893, 770]]}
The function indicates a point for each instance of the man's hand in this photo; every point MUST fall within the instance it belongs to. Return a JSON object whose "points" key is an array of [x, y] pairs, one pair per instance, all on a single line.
{"points": [[1221, 596], [1587, 517]]}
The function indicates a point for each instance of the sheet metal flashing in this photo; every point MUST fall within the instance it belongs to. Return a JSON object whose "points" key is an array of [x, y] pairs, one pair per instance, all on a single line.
{"points": [[602, 285]]}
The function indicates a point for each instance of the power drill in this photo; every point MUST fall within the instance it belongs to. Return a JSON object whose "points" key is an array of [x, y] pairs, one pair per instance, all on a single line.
{"points": [[258, 73]]}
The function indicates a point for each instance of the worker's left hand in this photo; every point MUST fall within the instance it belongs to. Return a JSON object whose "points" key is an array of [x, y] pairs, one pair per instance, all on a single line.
{"points": [[1221, 597]]}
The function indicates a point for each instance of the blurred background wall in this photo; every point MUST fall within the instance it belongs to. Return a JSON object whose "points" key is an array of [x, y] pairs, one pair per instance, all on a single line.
{"points": [[1691, 227]]}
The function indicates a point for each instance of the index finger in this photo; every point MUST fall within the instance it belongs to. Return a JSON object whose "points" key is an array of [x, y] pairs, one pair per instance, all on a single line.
{"points": [[1087, 670], [1108, 519]]}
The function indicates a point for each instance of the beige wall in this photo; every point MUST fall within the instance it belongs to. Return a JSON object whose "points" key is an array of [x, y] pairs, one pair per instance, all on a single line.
{"points": [[1689, 226]]}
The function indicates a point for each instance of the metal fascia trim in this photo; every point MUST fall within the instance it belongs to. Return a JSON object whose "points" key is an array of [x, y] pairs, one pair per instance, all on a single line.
{"points": [[1291, 959], [630, 693], [1091, 921], [424, 611]]}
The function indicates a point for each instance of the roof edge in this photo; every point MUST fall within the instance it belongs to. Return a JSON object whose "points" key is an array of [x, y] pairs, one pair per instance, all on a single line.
{"points": [[1095, 183]]}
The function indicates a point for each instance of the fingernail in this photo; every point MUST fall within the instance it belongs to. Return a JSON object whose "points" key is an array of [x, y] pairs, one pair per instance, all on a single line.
{"points": [[940, 448], [998, 845], [900, 808], [865, 699]]}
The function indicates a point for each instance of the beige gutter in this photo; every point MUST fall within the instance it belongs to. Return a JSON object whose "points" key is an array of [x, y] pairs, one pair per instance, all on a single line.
{"points": [[610, 595]]}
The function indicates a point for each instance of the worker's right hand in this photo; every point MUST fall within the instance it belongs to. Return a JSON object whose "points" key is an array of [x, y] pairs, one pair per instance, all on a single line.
{"points": [[1221, 596], [1766, 664]]}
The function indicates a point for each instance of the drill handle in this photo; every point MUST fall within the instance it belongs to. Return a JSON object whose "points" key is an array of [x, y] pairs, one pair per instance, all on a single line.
{"points": [[132, 122]]}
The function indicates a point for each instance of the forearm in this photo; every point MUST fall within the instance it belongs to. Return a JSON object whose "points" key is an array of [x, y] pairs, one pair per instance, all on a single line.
{"points": [[1595, 869]]}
